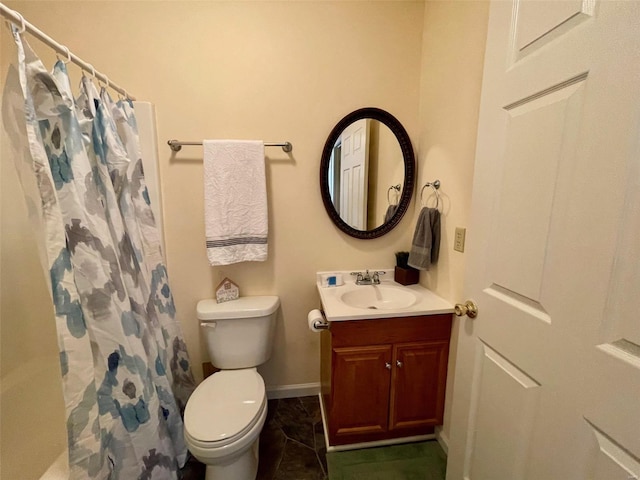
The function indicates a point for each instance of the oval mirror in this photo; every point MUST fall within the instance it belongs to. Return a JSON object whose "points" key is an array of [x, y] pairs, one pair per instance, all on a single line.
{"points": [[367, 173]]}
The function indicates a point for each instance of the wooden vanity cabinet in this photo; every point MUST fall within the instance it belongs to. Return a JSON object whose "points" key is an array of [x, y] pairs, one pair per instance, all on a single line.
{"points": [[384, 378]]}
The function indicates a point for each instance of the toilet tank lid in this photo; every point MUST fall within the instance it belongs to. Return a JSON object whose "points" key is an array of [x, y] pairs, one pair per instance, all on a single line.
{"points": [[243, 307]]}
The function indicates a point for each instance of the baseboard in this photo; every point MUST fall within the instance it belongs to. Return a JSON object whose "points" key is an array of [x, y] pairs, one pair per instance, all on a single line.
{"points": [[381, 443], [295, 390], [442, 439]]}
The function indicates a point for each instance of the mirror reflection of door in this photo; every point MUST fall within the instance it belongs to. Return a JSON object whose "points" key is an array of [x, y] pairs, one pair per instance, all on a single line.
{"points": [[334, 175], [354, 165]]}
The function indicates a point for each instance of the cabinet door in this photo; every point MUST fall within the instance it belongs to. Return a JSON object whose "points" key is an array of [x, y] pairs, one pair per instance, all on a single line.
{"points": [[418, 384], [360, 394]]}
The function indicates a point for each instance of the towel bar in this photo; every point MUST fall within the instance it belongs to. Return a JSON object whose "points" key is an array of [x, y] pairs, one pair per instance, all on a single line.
{"points": [[176, 145]]}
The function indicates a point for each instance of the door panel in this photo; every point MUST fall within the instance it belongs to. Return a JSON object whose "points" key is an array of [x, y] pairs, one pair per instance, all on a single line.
{"points": [[539, 22], [540, 136], [547, 376], [619, 327], [612, 461], [505, 420]]}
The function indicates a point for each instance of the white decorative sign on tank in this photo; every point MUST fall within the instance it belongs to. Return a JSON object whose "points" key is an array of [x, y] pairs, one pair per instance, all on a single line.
{"points": [[226, 291]]}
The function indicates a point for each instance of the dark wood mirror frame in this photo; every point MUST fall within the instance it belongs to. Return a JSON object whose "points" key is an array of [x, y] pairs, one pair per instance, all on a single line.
{"points": [[409, 171]]}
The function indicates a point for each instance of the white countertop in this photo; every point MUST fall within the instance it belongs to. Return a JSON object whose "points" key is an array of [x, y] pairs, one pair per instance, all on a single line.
{"points": [[427, 302]]}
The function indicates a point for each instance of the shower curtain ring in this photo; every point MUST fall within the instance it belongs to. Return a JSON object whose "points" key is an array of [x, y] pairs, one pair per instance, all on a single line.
{"points": [[68, 52], [23, 24], [93, 70]]}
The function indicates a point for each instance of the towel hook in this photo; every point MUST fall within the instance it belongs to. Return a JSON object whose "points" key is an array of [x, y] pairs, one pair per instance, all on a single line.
{"points": [[392, 187], [435, 185]]}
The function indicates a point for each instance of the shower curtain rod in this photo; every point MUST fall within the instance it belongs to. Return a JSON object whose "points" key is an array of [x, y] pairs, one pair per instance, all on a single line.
{"points": [[18, 20]]}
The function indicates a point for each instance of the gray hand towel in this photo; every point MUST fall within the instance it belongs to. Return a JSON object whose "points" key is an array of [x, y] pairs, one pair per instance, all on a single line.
{"points": [[425, 247], [390, 213]]}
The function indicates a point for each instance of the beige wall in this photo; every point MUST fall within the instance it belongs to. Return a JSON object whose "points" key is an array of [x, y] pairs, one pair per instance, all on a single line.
{"points": [[451, 79], [266, 70]]}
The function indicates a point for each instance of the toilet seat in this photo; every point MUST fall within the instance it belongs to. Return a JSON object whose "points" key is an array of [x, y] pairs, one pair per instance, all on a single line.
{"points": [[224, 407]]}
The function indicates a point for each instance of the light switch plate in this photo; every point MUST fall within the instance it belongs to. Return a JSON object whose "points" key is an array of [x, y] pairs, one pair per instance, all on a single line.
{"points": [[458, 243]]}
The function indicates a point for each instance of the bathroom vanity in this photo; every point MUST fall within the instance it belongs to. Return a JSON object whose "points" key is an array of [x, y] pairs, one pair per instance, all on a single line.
{"points": [[383, 361]]}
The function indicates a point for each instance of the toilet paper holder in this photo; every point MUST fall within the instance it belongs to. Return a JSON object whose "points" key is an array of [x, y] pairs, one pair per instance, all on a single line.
{"points": [[321, 324], [318, 320]]}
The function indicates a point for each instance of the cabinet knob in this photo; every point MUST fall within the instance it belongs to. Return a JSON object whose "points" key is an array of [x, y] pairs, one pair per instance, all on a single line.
{"points": [[399, 363], [387, 365]]}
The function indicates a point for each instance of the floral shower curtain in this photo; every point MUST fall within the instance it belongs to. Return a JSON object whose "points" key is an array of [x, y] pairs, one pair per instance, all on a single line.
{"points": [[126, 372]]}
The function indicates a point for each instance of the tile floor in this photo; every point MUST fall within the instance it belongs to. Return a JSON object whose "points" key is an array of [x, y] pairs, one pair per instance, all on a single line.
{"points": [[418, 460], [291, 443]]}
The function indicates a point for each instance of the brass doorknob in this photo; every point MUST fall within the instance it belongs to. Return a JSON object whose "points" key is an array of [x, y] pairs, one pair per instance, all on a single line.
{"points": [[467, 308]]}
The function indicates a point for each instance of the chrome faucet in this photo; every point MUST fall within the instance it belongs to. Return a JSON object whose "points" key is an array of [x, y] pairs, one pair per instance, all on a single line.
{"points": [[367, 278]]}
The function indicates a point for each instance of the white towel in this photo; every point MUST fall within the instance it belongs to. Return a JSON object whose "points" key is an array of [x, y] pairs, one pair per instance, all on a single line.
{"points": [[235, 208]]}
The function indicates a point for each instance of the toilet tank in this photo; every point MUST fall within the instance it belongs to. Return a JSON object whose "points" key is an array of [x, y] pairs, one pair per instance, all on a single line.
{"points": [[239, 333]]}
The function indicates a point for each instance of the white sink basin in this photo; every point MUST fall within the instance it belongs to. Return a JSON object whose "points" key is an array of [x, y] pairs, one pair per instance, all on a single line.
{"points": [[379, 297], [386, 300]]}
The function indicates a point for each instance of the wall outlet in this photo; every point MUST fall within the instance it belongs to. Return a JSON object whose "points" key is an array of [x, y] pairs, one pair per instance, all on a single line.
{"points": [[458, 242]]}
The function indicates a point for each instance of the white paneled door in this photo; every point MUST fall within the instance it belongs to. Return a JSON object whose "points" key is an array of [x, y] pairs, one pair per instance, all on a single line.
{"points": [[547, 382], [354, 174]]}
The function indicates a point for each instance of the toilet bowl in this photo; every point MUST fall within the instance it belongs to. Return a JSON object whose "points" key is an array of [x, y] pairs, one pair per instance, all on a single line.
{"points": [[226, 412], [223, 420]]}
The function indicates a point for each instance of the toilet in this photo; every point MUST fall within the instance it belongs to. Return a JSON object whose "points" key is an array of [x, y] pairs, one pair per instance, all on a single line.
{"points": [[226, 412]]}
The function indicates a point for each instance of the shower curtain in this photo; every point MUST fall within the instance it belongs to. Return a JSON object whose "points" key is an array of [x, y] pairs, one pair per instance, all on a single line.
{"points": [[125, 369]]}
